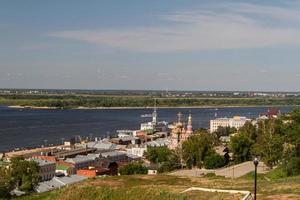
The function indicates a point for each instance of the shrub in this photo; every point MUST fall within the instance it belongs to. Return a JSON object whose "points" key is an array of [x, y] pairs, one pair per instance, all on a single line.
{"points": [[214, 161], [292, 167], [133, 168]]}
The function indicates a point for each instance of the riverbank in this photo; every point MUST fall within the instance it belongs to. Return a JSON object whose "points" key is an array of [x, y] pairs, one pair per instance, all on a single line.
{"points": [[134, 102], [32, 107], [147, 107]]}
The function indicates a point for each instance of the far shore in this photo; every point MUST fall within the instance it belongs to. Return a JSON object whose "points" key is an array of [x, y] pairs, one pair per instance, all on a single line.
{"points": [[161, 107]]}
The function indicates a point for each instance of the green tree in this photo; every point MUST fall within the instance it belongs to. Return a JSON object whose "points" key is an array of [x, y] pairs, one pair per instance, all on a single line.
{"points": [[269, 143], [173, 162], [225, 131], [166, 159], [241, 146], [25, 174], [196, 148], [158, 154], [133, 168], [6, 182], [291, 150], [249, 130], [214, 161]]}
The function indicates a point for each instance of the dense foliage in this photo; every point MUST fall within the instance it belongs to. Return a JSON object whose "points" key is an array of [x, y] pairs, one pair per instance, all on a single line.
{"points": [[225, 131], [275, 141], [158, 154], [196, 148], [214, 161], [133, 168], [74, 101], [21, 174], [166, 159]]}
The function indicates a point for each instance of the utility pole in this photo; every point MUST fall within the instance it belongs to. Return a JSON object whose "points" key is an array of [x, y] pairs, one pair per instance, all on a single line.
{"points": [[255, 162]]}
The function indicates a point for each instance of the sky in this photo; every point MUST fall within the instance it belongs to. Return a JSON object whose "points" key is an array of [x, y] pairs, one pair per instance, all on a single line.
{"points": [[150, 45]]}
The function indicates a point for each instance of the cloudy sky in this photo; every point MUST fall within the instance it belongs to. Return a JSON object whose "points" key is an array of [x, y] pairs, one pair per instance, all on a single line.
{"points": [[145, 44]]}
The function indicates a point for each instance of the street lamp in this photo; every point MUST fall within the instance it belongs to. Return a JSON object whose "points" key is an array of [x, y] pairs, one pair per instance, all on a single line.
{"points": [[255, 162]]}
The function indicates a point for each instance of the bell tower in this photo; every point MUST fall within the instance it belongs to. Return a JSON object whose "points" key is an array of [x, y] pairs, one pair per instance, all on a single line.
{"points": [[189, 125]]}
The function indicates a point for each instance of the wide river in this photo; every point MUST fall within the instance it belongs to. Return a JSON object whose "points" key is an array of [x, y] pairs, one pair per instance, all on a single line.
{"points": [[31, 127]]}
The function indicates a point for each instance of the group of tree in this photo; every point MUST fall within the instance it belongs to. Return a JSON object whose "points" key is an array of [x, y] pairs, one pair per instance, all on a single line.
{"points": [[18, 174], [275, 141], [164, 158], [133, 168], [225, 131], [198, 151], [74, 101]]}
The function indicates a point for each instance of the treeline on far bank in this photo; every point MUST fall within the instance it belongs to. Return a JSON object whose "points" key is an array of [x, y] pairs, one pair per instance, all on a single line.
{"points": [[75, 101]]}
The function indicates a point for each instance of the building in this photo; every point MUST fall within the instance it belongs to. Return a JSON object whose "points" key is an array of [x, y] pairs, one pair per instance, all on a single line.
{"points": [[270, 114], [82, 161], [180, 133], [58, 182], [103, 145], [138, 151], [235, 122], [160, 142], [93, 172], [154, 125], [47, 169]]}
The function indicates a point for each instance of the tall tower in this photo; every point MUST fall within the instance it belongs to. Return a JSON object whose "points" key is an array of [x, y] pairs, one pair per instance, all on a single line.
{"points": [[179, 115], [189, 125], [154, 114]]}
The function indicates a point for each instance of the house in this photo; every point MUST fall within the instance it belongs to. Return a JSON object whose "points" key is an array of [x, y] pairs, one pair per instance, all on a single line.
{"points": [[138, 151], [160, 142], [58, 182], [93, 172], [82, 161], [47, 169]]}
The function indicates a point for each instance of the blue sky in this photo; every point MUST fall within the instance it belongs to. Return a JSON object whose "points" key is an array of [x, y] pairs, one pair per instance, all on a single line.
{"points": [[136, 44]]}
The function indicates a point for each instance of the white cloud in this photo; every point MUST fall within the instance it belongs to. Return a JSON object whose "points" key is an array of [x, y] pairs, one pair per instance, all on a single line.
{"points": [[227, 26]]}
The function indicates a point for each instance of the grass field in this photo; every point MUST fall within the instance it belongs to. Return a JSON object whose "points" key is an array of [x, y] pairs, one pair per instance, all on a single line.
{"points": [[163, 187]]}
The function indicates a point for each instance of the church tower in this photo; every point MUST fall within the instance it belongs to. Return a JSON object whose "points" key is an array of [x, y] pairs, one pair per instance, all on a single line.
{"points": [[154, 114], [189, 125]]}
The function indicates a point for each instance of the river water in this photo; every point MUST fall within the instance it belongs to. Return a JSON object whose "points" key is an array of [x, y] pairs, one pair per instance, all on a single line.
{"points": [[31, 127]]}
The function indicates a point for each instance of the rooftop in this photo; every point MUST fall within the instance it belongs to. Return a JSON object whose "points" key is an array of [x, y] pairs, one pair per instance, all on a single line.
{"points": [[80, 159], [43, 162], [112, 154]]}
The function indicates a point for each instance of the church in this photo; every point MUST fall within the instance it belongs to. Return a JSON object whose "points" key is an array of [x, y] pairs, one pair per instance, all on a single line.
{"points": [[180, 132]]}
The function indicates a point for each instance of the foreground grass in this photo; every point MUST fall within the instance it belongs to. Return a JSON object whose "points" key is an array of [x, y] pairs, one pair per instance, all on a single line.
{"points": [[169, 187]]}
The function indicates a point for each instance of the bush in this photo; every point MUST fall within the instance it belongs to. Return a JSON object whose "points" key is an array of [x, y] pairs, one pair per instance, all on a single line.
{"points": [[292, 167], [214, 161], [158, 154], [133, 168], [277, 173]]}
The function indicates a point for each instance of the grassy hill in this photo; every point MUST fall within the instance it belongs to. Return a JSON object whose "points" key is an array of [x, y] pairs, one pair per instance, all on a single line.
{"points": [[162, 187]]}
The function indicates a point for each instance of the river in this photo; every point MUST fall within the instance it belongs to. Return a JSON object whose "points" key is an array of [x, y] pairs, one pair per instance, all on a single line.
{"points": [[31, 127]]}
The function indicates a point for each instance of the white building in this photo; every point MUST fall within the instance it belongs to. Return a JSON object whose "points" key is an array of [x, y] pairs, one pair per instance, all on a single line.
{"points": [[235, 122], [138, 151]]}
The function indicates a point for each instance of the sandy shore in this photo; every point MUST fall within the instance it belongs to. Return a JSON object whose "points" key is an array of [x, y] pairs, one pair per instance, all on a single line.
{"points": [[33, 107]]}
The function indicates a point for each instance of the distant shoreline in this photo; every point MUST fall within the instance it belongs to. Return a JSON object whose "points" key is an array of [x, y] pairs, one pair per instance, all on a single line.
{"points": [[162, 107]]}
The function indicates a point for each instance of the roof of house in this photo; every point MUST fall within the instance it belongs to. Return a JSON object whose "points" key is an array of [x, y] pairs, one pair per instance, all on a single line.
{"points": [[67, 180], [80, 159], [58, 182], [112, 154], [102, 145], [41, 162], [159, 142], [133, 156]]}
